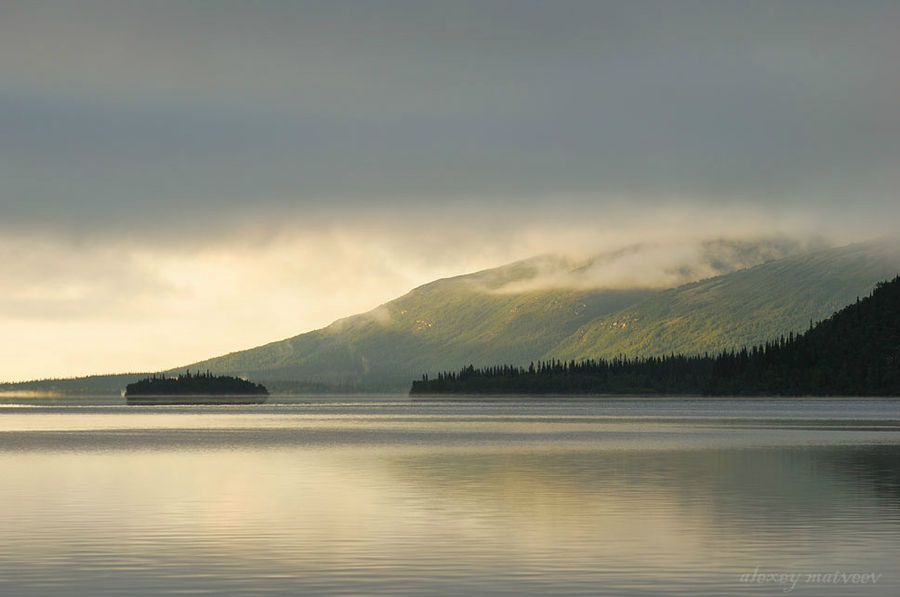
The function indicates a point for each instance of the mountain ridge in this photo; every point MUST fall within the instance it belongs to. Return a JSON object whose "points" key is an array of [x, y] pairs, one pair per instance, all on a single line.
{"points": [[854, 352], [514, 314], [738, 309], [453, 322]]}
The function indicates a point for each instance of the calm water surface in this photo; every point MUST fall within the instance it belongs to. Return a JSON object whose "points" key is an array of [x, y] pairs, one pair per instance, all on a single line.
{"points": [[389, 496]]}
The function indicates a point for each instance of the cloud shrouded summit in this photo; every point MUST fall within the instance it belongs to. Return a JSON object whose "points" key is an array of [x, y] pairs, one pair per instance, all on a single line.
{"points": [[350, 150]]}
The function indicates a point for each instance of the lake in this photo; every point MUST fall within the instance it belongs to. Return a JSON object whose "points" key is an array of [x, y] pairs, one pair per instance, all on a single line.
{"points": [[384, 495]]}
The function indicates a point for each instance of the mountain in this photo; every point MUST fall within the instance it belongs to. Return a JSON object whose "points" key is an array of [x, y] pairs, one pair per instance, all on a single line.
{"points": [[514, 313], [737, 309], [553, 307], [450, 321], [855, 352]]}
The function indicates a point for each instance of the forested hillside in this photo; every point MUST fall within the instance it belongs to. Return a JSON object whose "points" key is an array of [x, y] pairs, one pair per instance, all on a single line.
{"points": [[553, 308], [855, 352], [738, 309], [448, 321], [514, 313]]}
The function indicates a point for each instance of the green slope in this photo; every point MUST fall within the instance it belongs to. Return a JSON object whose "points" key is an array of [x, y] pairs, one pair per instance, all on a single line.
{"points": [[449, 322], [514, 313], [546, 307], [855, 352], [737, 309]]}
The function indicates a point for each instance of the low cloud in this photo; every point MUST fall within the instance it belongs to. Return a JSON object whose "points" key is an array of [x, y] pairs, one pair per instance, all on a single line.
{"points": [[654, 264], [178, 182], [156, 301]]}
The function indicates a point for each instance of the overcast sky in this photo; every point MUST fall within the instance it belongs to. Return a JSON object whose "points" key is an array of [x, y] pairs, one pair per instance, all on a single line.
{"points": [[182, 179]]}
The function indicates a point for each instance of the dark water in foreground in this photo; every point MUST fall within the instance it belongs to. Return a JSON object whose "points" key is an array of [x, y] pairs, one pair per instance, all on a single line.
{"points": [[624, 497]]}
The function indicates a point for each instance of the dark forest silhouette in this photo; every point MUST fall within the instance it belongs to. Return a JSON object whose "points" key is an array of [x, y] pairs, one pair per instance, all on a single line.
{"points": [[855, 352], [194, 384]]}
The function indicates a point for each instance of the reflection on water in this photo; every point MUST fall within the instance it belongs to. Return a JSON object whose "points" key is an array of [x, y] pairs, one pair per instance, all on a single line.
{"points": [[393, 498]]}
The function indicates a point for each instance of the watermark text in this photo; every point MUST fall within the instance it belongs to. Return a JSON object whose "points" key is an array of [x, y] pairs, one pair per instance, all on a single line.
{"points": [[790, 580]]}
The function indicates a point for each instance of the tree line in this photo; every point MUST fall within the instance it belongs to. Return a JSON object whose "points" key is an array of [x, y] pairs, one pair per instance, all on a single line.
{"points": [[193, 384], [855, 352]]}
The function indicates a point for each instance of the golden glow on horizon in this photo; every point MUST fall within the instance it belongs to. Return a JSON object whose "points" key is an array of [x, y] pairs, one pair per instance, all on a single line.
{"points": [[114, 306]]}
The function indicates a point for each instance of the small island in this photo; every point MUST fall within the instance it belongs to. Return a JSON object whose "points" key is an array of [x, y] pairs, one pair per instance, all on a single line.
{"points": [[196, 388]]}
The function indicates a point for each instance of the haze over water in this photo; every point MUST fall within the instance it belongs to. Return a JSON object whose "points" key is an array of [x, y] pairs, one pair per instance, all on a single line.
{"points": [[623, 497]]}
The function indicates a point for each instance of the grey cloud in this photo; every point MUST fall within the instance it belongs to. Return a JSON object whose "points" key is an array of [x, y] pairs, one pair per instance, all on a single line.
{"points": [[145, 115]]}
